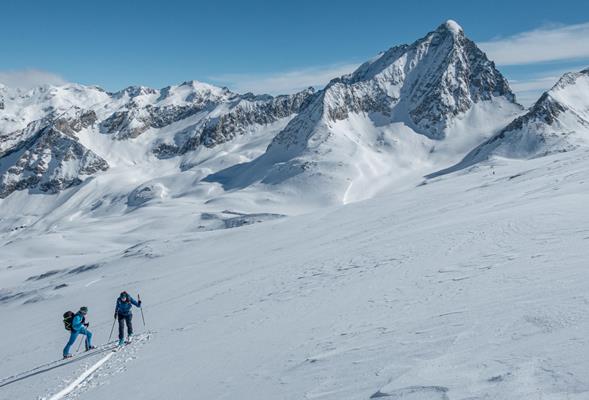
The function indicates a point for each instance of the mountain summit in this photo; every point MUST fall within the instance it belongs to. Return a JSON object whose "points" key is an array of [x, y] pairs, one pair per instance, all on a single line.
{"points": [[408, 109], [557, 122]]}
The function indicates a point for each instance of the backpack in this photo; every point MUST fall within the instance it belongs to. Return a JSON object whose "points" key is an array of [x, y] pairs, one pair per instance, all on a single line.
{"points": [[68, 319]]}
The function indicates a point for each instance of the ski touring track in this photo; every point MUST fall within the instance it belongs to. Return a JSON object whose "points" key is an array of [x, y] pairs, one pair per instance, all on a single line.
{"points": [[114, 361], [80, 379], [40, 369]]}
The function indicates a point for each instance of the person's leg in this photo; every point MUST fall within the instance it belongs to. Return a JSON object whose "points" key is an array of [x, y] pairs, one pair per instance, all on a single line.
{"points": [[129, 324], [88, 334], [73, 337], [121, 327]]}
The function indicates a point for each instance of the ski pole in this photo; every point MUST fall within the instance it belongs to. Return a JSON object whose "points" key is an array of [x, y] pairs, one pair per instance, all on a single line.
{"points": [[112, 329], [80, 344], [141, 308]]}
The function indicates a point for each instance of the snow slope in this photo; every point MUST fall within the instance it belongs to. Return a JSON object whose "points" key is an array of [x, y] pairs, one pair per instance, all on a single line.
{"points": [[364, 281], [412, 110], [77, 154], [472, 286], [557, 122], [55, 138]]}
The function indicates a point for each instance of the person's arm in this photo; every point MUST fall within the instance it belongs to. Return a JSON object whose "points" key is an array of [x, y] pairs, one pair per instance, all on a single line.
{"points": [[136, 304], [77, 323], [117, 308]]}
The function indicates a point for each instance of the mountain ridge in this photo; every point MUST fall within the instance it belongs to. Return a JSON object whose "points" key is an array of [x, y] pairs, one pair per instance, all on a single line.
{"points": [[557, 122], [408, 112], [422, 89]]}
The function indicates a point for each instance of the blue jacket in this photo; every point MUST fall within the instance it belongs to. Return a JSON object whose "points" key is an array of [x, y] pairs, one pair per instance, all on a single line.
{"points": [[78, 322], [124, 307]]}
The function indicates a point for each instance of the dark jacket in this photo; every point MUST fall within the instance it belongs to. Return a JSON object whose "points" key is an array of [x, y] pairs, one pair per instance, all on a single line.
{"points": [[124, 307]]}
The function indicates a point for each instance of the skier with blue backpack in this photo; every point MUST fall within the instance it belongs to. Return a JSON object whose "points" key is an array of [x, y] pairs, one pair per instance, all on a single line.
{"points": [[123, 313], [77, 325]]}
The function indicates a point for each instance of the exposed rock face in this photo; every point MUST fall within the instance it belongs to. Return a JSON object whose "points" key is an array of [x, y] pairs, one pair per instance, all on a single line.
{"points": [[386, 119], [557, 122], [49, 158], [45, 153], [145, 193], [225, 125], [72, 124], [425, 85], [13, 141], [150, 108], [133, 122], [390, 114]]}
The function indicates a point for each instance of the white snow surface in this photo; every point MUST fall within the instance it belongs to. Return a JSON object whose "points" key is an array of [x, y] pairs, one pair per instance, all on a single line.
{"points": [[305, 256], [453, 26], [559, 121], [471, 286]]}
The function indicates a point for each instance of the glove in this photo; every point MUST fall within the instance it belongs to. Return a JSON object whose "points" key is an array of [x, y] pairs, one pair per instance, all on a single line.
{"points": [[87, 324], [115, 315], [139, 302]]}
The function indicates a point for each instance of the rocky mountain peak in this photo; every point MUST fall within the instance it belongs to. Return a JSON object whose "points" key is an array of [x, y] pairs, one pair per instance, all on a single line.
{"points": [[425, 85], [557, 122], [134, 91], [52, 161]]}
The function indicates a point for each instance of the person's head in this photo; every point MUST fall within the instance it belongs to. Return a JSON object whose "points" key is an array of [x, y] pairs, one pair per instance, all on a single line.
{"points": [[84, 310], [124, 296]]}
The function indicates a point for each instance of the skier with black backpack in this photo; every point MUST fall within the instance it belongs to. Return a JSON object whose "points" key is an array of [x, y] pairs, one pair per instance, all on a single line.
{"points": [[123, 313], [77, 325]]}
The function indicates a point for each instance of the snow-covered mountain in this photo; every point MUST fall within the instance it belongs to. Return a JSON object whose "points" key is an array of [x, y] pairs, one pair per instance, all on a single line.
{"points": [[49, 158], [557, 122], [408, 110], [468, 286], [49, 136]]}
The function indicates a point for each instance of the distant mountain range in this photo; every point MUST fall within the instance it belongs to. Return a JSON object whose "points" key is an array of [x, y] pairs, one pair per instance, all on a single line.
{"points": [[438, 104]]}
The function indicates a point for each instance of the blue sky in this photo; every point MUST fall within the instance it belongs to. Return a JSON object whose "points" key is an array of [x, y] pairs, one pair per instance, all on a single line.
{"points": [[272, 46]]}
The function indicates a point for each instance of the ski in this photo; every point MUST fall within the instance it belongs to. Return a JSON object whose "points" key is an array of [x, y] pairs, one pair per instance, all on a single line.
{"points": [[55, 363]]}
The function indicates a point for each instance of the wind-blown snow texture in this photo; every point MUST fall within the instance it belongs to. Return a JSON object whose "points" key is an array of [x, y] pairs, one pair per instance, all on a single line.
{"points": [[289, 247], [472, 286]]}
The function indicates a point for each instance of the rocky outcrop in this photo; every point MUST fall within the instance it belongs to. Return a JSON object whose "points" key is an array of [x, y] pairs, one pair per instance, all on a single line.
{"points": [[557, 122], [234, 121], [426, 85], [150, 108], [385, 119], [134, 121], [49, 158], [73, 123]]}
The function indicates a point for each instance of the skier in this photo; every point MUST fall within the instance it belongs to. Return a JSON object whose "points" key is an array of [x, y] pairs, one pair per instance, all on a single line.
{"points": [[124, 315], [76, 323]]}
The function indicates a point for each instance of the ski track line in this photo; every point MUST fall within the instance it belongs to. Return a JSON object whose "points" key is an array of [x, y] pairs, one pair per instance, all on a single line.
{"points": [[93, 282], [70, 388], [52, 365]]}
